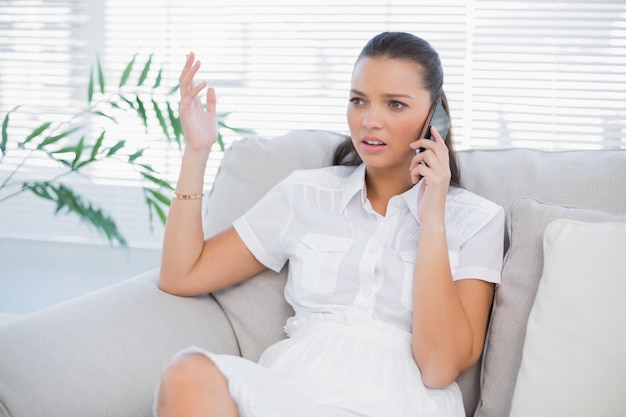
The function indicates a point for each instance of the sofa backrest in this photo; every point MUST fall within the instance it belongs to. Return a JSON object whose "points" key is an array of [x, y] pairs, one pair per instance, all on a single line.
{"points": [[256, 308], [594, 179]]}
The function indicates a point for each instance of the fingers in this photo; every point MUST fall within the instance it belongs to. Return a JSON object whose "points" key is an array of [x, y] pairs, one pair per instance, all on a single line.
{"points": [[435, 141], [211, 101], [196, 90], [433, 160], [188, 90], [189, 71], [188, 63]]}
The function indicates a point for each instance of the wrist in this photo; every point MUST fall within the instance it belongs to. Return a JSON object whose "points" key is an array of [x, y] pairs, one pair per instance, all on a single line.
{"points": [[187, 196], [433, 226], [197, 155]]}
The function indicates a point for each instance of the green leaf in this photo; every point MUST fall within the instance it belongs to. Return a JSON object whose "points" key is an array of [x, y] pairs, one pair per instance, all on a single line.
{"points": [[37, 132], [157, 181], [157, 82], [147, 167], [39, 189], [65, 162], [161, 119], [127, 70], [223, 115], [236, 129], [53, 139], [141, 111], [146, 70], [159, 196], [97, 146], [127, 101], [160, 212], [119, 145], [90, 86], [78, 166], [79, 152], [220, 141], [136, 155], [173, 90], [100, 75], [72, 203], [5, 135], [99, 113], [68, 149], [176, 126]]}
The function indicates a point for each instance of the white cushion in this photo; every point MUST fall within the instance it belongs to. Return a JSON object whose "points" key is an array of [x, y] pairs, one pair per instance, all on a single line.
{"points": [[573, 361], [513, 301]]}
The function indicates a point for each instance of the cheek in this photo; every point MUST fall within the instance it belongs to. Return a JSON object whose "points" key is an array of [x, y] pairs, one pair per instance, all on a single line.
{"points": [[354, 120], [407, 128]]}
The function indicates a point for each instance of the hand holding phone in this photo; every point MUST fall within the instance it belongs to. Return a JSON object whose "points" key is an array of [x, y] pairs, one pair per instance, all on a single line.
{"points": [[436, 117]]}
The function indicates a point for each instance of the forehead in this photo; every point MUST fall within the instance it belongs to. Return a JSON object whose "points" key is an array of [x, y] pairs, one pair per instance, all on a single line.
{"points": [[387, 74]]}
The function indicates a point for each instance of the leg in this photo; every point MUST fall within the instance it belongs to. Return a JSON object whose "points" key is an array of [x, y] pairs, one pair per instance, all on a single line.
{"points": [[193, 386]]}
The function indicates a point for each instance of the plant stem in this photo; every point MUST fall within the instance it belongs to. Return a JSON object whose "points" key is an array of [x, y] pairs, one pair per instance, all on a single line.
{"points": [[58, 177], [17, 168]]}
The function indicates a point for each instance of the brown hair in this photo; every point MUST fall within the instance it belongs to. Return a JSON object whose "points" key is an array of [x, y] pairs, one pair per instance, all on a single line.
{"points": [[408, 47]]}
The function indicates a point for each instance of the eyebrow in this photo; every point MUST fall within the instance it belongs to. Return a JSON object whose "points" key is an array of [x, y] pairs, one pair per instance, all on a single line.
{"points": [[386, 95]]}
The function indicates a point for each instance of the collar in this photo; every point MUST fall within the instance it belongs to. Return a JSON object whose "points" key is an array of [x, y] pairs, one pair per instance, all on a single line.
{"points": [[411, 196], [356, 183]]}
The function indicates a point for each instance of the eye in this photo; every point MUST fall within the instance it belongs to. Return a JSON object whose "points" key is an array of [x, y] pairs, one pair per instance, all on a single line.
{"points": [[356, 101], [394, 104]]}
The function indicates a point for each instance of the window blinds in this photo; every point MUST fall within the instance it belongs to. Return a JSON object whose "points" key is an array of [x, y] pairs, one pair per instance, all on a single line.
{"points": [[541, 74]]}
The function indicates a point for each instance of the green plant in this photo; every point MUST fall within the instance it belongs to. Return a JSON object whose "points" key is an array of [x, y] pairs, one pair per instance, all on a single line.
{"points": [[81, 142]]}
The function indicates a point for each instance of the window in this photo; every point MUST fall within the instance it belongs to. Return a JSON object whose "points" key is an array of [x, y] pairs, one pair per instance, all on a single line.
{"points": [[540, 74]]}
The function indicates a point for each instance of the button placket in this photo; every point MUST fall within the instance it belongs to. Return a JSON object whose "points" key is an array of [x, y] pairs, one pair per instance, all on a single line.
{"points": [[370, 268]]}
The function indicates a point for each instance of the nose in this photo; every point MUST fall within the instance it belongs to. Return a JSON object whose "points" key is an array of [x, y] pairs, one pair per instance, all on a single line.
{"points": [[372, 119]]}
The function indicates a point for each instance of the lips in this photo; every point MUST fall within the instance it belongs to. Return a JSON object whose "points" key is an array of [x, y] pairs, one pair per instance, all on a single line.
{"points": [[372, 141], [371, 144]]}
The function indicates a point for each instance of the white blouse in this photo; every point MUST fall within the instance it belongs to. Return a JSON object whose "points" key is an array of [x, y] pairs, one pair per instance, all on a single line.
{"points": [[346, 259]]}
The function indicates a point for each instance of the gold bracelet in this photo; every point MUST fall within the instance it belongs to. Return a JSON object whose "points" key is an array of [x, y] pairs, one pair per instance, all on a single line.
{"points": [[187, 196]]}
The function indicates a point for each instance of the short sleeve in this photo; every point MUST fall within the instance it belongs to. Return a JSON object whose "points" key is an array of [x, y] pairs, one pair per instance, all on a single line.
{"points": [[480, 256], [262, 227]]}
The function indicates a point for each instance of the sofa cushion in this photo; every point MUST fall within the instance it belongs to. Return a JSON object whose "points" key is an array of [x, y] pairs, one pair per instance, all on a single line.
{"points": [[573, 361], [256, 308], [514, 298]]}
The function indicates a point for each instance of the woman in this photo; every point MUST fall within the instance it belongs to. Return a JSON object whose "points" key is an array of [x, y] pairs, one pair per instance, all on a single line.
{"points": [[392, 265]]}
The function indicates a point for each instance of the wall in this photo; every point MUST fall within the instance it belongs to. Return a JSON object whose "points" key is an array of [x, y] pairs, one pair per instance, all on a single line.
{"points": [[35, 275]]}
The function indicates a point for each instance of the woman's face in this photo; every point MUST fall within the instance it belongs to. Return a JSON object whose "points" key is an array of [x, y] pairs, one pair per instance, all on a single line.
{"points": [[387, 109]]}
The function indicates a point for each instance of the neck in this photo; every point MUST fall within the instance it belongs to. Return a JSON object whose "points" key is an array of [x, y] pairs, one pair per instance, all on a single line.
{"points": [[384, 184]]}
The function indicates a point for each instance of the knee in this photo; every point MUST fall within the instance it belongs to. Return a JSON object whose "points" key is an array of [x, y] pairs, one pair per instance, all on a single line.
{"points": [[192, 370], [187, 382]]}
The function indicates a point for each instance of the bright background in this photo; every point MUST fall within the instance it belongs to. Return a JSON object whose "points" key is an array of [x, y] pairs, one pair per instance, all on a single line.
{"points": [[542, 74]]}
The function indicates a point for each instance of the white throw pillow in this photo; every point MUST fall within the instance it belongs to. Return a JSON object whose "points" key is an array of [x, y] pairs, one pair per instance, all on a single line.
{"points": [[574, 355]]}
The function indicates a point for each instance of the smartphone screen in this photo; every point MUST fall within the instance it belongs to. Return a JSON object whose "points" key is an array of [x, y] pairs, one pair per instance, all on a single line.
{"points": [[436, 117]]}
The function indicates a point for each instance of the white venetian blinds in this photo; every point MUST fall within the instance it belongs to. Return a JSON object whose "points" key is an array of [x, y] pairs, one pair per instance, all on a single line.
{"points": [[541, 74], [549, 74]]}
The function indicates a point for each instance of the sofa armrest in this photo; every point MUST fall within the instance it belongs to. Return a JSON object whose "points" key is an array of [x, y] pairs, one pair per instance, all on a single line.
{"points": [[102, 354]]}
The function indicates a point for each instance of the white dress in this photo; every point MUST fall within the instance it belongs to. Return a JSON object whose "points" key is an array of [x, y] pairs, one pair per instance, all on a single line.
{"points": [[348, 350]]}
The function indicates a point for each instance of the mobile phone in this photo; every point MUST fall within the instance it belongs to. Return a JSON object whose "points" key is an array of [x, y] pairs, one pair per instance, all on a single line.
{"points": [[436, 117]]}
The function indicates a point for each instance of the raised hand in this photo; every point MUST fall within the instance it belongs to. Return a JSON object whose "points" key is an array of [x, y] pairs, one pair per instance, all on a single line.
{"points": [[199, 124]]}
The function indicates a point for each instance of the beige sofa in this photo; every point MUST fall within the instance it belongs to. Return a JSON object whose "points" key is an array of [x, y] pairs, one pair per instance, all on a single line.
{"points": [[101, 354]]}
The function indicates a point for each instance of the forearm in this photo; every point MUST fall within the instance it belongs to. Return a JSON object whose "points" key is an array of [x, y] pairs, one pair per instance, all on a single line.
{"points": [[183, 238], [442, 335]]}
